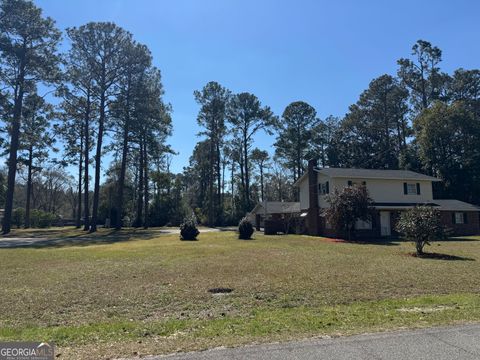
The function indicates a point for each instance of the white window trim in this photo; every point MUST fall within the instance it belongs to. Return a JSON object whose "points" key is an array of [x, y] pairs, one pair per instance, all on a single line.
{"points": [[363, 225], [411, 189], [459, 219], [323, 189]]}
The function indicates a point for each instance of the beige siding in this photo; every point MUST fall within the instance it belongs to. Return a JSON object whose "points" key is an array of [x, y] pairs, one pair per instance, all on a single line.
{"points": [[385, 190], [380, 190]]}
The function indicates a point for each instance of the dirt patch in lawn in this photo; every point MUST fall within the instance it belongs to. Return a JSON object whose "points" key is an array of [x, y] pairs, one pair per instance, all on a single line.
{"points": [[426, 310]]}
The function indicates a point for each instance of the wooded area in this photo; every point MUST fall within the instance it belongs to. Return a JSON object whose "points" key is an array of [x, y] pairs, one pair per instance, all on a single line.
{"points": [[99, 106]]}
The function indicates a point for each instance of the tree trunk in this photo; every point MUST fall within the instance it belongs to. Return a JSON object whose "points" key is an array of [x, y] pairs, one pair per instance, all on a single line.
{"points": [[145, 182], [242, 180], [98, 160], [419, 247], [12, 158], [86, 224], [232, 181], [121, 180], [261, 182], [80, 171], [29, 187], [138, 220], [123, 166], [247, 175], [222, 199], [219, 181], [211, 210]]}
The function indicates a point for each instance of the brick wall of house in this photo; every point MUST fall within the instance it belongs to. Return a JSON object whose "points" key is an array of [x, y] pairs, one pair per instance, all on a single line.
{"points": [[313, 223], [370, 234], [472, 227]]}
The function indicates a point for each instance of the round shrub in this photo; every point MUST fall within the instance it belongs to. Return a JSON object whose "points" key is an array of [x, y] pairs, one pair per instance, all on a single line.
{"points": [[245, 229], [188, 229]]}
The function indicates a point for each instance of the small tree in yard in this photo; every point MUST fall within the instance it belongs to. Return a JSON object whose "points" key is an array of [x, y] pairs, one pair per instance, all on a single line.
{"points": [[347, 206], [421, 225]]}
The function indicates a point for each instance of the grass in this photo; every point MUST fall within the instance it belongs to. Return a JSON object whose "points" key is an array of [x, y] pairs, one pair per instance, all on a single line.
{"points": [[142, 292]]}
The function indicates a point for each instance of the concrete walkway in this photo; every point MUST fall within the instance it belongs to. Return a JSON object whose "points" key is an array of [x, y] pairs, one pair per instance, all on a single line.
{"points": [[449, 343]]}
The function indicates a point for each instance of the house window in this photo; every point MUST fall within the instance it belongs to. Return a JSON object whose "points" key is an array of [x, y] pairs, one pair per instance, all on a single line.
{"points": [[323, 188], [363, 225], [327, 224], [411, 188], [459, 218]]}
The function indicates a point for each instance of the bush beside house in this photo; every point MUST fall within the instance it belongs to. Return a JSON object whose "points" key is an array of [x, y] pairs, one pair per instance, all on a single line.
{"points": [[347, 206]]}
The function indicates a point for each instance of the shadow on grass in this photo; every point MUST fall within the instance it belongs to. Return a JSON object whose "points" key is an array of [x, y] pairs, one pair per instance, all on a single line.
{"points": [[365, 241], [58, 240], [461, 238], [438, 256]]}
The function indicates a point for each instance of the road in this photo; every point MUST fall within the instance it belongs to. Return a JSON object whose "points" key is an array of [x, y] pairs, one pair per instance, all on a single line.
{"points": [[449, 343]]}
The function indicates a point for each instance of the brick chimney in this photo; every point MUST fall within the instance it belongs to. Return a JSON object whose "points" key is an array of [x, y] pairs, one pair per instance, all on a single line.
{"points": [[313, 209]]}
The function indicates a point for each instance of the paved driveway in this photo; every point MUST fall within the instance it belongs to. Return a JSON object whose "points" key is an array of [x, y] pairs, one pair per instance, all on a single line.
{"points": [[450, 343]]}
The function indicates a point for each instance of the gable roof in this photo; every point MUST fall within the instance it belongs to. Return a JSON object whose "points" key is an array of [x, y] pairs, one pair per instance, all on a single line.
{"points": [[353, 173], [276, 207]]}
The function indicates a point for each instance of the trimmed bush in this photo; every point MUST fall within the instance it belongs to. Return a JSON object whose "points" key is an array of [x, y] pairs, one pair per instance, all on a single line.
{"points": [[245, 229], [188, 229]]}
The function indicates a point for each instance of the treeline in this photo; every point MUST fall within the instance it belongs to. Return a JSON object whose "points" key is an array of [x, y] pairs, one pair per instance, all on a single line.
{"points": [[110, 104]]}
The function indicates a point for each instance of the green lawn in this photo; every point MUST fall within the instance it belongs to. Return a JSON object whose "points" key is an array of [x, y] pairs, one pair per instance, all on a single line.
{"points": [[119, 294]]}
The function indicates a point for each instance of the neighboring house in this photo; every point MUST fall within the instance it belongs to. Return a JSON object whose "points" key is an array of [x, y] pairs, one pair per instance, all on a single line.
{"points": [[273, 210], [392, 191]]}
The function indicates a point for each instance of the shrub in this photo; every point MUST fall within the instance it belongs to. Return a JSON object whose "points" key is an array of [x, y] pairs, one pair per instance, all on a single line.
{"points": [[245, 229], [421, 225], [41, 219], [188, 229], [18, 217]]}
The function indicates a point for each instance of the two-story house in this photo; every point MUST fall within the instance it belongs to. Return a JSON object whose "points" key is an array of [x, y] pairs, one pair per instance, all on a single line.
{"points": [[392, 191]]}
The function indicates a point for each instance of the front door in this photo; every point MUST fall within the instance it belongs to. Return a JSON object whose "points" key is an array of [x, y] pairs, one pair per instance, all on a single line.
{"points": [[385, 229]]}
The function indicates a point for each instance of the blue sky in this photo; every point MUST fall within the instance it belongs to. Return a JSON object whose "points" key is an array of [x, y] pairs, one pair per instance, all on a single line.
{"points": [[321, 52]]}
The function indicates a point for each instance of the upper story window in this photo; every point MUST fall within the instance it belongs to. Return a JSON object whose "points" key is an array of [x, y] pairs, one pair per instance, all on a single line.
{"points": [[323, 188], [411, 188]]}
